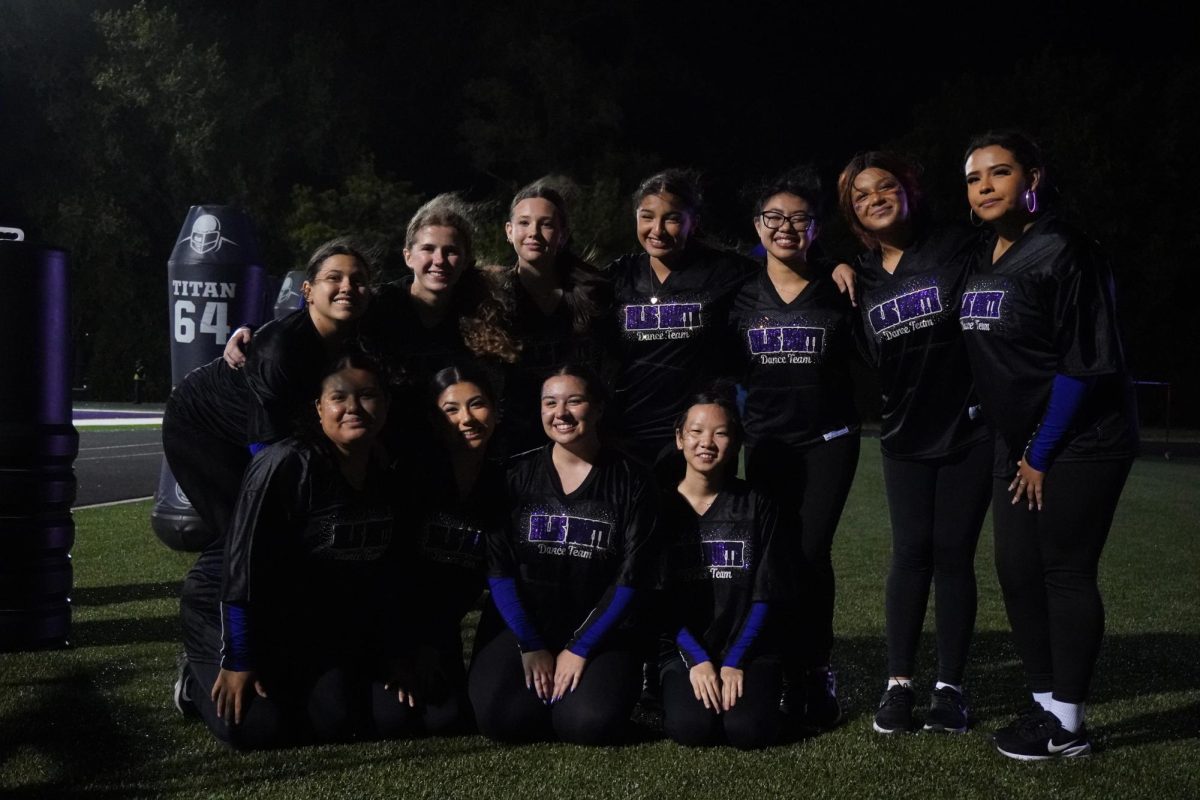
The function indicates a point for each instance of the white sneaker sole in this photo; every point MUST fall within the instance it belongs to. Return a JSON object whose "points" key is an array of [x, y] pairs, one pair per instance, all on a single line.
{"points": [[1077, 751]]}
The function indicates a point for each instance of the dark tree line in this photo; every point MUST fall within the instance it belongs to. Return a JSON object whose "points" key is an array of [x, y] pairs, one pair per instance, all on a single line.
{"points": [[324, 118]]}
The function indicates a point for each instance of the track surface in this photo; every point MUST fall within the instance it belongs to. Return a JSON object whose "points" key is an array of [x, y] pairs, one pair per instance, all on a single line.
{"points": [[117, 465]]}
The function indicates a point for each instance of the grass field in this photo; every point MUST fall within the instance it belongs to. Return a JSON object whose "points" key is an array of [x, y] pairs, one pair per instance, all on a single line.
{"points": [[96, 720]]}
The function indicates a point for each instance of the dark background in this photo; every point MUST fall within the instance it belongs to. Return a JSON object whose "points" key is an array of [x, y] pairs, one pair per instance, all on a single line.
{"points": [[322, 118]]}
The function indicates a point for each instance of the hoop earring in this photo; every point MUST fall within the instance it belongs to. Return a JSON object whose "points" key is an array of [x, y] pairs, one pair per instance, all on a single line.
{"points": [[1031, 204], [975, 221]]}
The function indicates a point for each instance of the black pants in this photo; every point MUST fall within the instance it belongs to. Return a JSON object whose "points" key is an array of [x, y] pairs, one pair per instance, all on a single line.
{"points": [[597, 712], [810, 485], [333, 704], [1047, 562], [209, 470], [753, 722], [937, 508]]}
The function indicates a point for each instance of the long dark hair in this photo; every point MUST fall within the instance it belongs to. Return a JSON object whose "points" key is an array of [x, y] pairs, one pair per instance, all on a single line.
{"points": [[671, 469], [443, 379], [352, 356]]}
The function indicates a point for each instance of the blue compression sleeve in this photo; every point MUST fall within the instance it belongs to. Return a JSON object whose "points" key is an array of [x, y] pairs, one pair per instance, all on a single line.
{"points": [[603, 618], [750, 630], [692, 651], [1066, 395], [504, 595], [235, 638]]}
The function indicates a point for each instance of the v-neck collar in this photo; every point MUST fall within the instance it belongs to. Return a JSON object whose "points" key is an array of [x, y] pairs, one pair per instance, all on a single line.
{"points": [[556, 481], [776, 299]]}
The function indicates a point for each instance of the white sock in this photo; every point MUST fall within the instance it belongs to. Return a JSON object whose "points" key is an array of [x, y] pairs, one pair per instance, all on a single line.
{"points": [[1043, 699], [906, 682], [1069, 714], [944, 685]]}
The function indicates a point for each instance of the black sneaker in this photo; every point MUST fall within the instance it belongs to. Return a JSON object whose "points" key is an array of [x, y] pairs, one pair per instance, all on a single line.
{"points": [[895, 710], [181, 692], [821, 707], [947, 712], [1039, 736]]}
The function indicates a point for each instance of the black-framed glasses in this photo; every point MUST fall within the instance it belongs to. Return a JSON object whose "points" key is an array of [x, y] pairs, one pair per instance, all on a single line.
{"points": [[773, 220]]}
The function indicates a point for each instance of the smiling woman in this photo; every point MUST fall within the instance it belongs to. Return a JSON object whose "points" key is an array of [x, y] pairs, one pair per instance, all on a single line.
{"points": [[936, 451], [565, 576], [309, 551]]}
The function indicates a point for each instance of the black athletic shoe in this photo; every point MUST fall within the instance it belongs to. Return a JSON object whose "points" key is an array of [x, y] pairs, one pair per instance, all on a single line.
{"points": [[1039, 736], [821, 707], [181, 692], [895, 710], [947, 712]]}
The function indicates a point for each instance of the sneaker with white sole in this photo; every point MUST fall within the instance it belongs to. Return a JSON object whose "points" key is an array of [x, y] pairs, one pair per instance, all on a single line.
{"points": [[1040, 736], [181, 691], [947, 712], [895, 710]]}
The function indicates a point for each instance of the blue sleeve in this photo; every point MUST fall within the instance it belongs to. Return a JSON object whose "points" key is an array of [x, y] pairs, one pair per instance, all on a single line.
{"points": [[1066, 395], [504, 595], [750, 630], [235, 638], [691, 650], [604, 617]]}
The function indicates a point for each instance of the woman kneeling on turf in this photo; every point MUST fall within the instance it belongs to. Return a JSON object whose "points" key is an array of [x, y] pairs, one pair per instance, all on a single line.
{"points": [[720, 576], [310, 599], [557, 654]]}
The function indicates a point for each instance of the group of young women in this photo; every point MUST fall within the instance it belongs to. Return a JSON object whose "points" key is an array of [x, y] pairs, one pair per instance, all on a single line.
{"points": [[568, 438]]}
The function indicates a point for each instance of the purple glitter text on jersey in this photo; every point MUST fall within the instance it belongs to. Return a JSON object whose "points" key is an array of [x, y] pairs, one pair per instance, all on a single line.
{"points": [[906, 307], [786, 340], [668, 316], [981, 305], [724, 553], [561, 529]]}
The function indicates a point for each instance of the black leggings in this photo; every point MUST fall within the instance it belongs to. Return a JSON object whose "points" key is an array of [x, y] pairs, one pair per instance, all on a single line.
{"points": [[753, 722], [209, 471], [597, 712], [1047, 562], [332, 705], [811, 486], [937, 508]]}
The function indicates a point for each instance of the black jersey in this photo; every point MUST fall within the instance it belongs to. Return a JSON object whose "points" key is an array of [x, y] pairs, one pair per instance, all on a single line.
{"points": [[452, 540], [674, 336], [797, 380], [1047, 307], [216, 400], [393, 322], [547, 341], [310, 561], [715, 565], [568, 553], [910, 330], [283, 370]]}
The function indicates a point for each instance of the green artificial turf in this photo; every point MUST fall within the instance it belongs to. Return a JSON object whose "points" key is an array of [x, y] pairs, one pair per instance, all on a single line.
{"points": [[96, 720]]}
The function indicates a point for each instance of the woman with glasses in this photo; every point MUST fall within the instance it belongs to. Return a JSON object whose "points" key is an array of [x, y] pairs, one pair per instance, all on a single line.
{"points": [[936, 452], [801, 426]]}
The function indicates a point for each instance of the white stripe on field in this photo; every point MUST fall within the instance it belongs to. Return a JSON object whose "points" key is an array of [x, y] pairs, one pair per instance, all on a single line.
{"points": [[114, 503]]}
